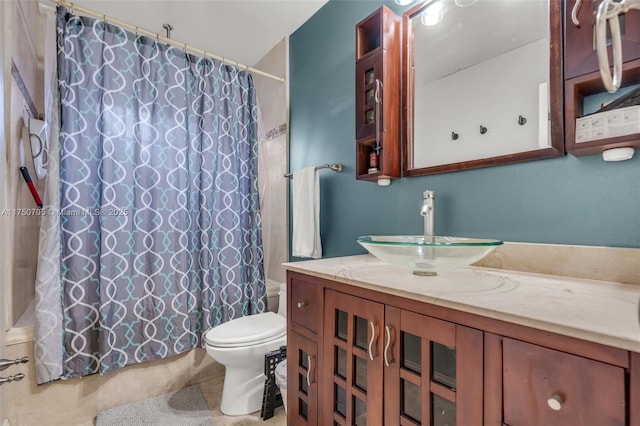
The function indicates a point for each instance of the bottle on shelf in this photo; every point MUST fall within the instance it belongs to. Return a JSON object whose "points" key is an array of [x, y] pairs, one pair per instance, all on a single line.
{"points": [[373, 160]]}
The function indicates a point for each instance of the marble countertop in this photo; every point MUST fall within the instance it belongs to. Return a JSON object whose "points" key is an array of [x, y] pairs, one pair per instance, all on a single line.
{"points": [[597, 311]]}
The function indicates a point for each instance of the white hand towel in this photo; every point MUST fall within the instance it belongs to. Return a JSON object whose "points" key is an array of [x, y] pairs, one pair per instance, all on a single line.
{"points": [[306, 214]]}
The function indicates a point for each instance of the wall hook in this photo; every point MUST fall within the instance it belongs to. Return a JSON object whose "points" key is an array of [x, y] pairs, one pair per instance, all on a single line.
{"points": [[454, 136], [169, 28], [521, 120], [483, 130]]}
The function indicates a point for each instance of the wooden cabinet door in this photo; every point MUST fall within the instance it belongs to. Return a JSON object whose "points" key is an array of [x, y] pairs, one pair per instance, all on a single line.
{"points": [[433, 371], [352, 361], [369, 75], [302, 383], [543, 386], [580, 54]]}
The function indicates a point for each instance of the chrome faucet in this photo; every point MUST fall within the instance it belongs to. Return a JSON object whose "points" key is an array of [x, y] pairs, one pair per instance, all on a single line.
{"points": [[428, 213]]}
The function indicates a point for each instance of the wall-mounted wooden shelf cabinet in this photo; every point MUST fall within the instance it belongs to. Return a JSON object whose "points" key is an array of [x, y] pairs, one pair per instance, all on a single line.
{"points": [[582, 76], [576, 89], [378, 95]]}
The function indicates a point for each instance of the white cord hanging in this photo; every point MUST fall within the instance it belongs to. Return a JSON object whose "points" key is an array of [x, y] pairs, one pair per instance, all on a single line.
{"points": [[609, 11]]}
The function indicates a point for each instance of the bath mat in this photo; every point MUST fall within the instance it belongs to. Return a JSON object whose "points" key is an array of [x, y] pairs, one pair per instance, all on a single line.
{"points": [[186, 407]]}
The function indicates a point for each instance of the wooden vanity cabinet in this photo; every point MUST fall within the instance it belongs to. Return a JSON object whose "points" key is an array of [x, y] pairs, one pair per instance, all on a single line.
{"points": [[377, 101], [379, 364], [379, 359]]}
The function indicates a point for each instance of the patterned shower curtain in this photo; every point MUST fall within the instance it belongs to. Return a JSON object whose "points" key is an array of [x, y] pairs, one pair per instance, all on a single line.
{"points": [[156, 235]]}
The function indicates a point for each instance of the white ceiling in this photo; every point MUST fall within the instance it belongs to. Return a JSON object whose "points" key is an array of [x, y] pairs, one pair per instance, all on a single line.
{"points": [[241, 30]]}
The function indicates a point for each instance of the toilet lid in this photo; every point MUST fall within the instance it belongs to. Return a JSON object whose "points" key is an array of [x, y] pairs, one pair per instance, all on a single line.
{"points": [[249, 330]]}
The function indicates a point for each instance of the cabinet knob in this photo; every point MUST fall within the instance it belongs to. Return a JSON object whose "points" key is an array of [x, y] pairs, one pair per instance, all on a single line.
{"points": [[302, 304], [555, 402]]}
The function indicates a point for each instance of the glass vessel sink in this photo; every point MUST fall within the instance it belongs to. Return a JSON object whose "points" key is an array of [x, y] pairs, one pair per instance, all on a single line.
{"points": [[422, 257]]}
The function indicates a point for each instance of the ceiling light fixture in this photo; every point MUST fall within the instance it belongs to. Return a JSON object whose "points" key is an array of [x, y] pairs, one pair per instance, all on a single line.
{"points": [[433, 14], [403, 2], [465, 3]]}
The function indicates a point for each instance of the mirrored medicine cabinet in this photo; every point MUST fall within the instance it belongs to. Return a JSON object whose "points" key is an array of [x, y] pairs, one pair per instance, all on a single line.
{"points": [[482, 84]]}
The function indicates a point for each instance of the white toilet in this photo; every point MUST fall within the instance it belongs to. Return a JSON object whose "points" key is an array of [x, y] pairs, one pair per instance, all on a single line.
{"points": [[240, 345]]}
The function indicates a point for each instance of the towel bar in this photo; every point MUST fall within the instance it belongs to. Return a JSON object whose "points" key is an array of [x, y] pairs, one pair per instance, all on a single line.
{"points": [[336, 167]]}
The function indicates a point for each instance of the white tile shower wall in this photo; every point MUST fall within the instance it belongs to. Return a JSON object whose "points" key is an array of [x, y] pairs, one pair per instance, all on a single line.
{"points": [[3, 172], [272, 165], [28, 47], [78, 401], [271, 93], [26, 94]]}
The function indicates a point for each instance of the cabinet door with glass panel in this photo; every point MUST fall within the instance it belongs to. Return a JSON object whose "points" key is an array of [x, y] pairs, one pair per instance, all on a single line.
{"points": [[352, 363], [433, 371], [302, 368]]}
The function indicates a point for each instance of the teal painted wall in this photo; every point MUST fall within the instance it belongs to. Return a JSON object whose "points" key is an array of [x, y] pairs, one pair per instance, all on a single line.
{"points": [[564, 200]]}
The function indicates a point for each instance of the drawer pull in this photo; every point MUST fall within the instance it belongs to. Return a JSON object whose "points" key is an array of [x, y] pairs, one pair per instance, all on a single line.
{"points": [[555, 402], [302, 304], [372, 355]]}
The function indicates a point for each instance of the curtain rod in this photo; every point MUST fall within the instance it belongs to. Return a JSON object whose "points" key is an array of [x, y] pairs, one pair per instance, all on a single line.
{"points": [[158, 37]]}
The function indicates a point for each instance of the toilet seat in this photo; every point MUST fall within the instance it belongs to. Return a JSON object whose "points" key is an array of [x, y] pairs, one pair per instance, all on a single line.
{"points": [[247, 331]]}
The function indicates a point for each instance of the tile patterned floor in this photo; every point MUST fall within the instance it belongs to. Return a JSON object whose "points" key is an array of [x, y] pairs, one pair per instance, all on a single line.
{"points": [[212, 391]]}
